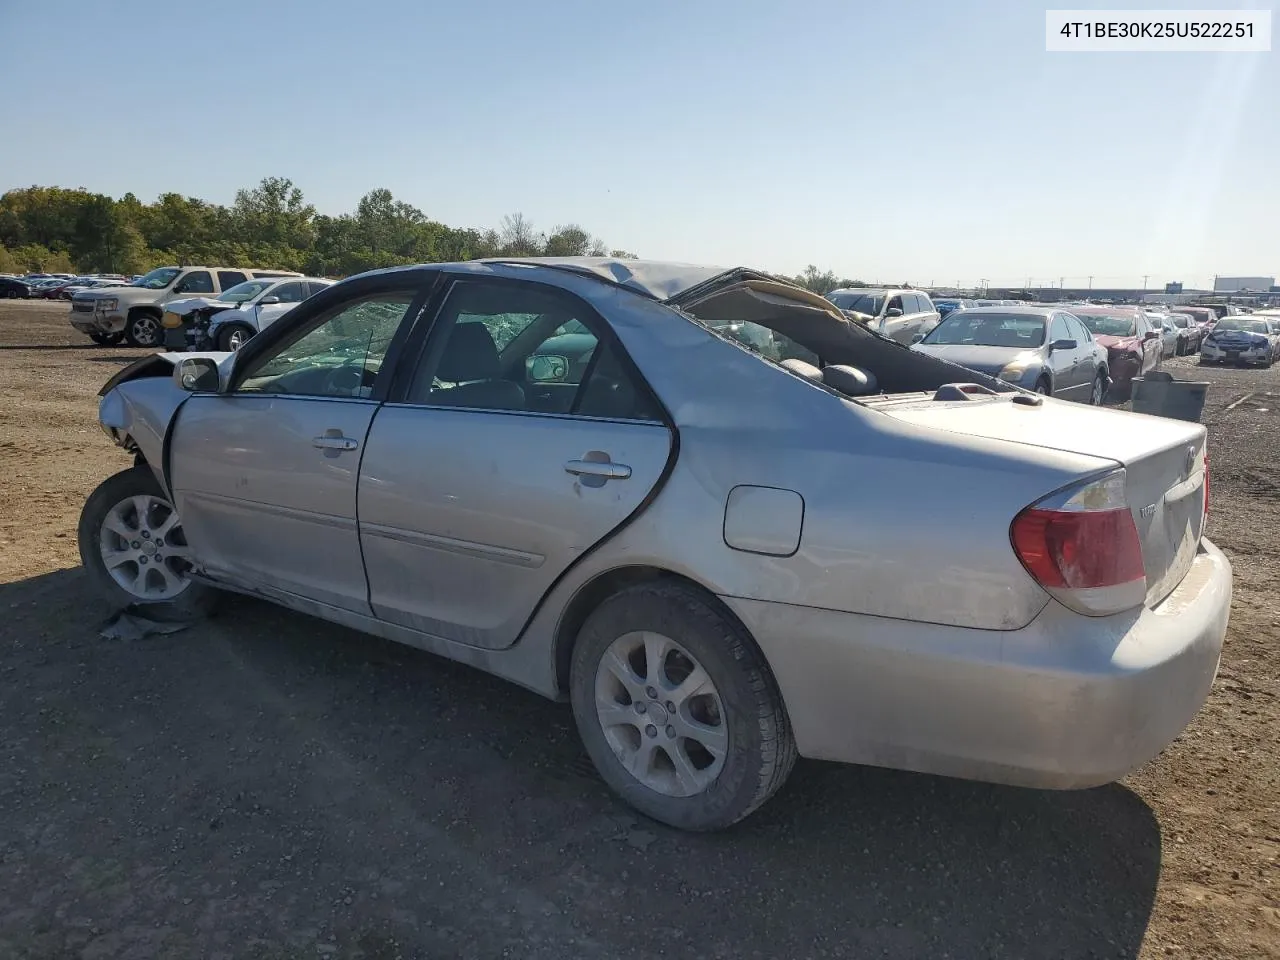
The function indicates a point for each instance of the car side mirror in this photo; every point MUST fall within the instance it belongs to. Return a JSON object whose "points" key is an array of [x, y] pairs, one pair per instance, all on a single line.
{"points": [[1063, 345], [197, 375], [1151, 335], [268, 300], [546, 368], [892, 312]]}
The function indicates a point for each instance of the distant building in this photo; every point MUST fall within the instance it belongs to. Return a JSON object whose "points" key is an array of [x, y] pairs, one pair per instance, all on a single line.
{"points": [[1240, 284]]}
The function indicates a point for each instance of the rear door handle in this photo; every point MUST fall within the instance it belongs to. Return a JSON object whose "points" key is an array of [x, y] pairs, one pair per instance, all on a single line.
{"points": [[328, 442], [594, 468]]}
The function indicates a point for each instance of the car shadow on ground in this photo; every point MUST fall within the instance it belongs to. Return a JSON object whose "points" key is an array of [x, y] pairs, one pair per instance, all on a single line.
{"points": [[293, 781]]}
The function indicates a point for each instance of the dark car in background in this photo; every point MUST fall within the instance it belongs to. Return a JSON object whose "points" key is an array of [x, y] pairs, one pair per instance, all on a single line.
{"points": [[948, 304], [11, 288], [1134, 347], [1037, 348]]}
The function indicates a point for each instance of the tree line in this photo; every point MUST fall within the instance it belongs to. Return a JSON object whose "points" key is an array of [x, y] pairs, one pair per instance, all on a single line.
{"points": [[60, 230]]}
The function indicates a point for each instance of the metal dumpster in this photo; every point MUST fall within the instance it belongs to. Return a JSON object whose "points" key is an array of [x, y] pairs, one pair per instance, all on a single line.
{"points": [[1162, 396]]}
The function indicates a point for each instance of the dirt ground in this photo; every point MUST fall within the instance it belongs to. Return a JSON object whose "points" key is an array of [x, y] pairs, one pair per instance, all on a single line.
{"points": [[263, 785]]}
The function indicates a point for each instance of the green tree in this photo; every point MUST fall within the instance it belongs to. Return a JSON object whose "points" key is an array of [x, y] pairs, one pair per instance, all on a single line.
{"points": [[273, 212], [568, 241]]}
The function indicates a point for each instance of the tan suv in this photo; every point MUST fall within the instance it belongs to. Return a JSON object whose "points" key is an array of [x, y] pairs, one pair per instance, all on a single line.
{"points": [[133, 313]]}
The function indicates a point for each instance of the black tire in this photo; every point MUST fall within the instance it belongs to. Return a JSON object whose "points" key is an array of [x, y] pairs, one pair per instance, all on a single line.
{"points": [[1098, 392], [761, 749], [144, 330], [1043, 387], [195, 601], [107, 339], [226, 335], [12, 294]]}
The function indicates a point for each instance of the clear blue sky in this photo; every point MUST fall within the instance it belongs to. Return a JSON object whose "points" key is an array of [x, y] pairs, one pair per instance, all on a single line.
{"points": [[902, 141]]}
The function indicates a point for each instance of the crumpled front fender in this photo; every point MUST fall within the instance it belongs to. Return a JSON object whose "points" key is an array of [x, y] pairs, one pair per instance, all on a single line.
{"points": [[138, 415]]}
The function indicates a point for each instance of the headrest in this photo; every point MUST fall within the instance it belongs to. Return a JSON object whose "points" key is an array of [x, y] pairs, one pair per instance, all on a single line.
{"points": [[802, 369], [470, 354], [849, 380]]}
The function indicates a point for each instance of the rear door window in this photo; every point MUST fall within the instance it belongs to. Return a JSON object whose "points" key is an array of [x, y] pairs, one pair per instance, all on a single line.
{"points": [[288, 292], [197, 281], [229, 278]]}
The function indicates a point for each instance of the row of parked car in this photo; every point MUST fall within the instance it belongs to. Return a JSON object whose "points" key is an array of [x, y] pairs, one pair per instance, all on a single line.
{"points": [[1078, 351], [55, 286]]}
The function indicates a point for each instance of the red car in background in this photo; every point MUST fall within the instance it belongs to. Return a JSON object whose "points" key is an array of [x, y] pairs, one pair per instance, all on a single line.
{"points": [[1134, 346]]}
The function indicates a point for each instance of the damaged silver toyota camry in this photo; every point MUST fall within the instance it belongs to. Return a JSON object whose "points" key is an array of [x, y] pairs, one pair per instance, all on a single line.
{"points": [[728, 524]]}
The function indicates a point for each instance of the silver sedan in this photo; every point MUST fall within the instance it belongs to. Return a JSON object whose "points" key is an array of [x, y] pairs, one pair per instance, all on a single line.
{"points": [[701, 505]]}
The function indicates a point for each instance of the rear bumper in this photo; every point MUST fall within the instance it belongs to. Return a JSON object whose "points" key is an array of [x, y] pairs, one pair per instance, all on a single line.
{"points": [[1065, 702]]}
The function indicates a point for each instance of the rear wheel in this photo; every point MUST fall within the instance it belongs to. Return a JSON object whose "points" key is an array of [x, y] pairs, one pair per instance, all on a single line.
{"points": [[106, 339], [1099, 390], [143, 330], [135, 551], [678, 708], [12, 294]]}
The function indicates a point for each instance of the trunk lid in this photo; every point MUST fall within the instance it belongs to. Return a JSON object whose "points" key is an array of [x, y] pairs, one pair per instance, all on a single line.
{"points": [[1163, 461]]}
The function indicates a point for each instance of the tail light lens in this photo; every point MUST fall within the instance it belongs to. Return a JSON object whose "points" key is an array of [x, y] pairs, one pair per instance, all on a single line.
{"points": [[1082, 546]]}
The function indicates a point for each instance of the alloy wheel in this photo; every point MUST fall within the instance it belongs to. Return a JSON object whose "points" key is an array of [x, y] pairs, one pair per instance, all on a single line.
{"points": [[144, 549], [146, 331], [661, 714]]}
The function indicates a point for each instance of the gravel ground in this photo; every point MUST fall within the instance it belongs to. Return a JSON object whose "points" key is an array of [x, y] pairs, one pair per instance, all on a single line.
{"points": [[264, 785]]}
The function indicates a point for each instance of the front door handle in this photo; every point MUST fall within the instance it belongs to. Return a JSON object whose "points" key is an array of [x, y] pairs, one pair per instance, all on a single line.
{"points": [[329, 442], [605, 470]]}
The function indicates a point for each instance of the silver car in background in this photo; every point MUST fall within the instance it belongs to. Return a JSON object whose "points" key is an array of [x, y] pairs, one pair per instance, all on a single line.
{"points": [[715, 529], [899, 314], [1042, 349]]}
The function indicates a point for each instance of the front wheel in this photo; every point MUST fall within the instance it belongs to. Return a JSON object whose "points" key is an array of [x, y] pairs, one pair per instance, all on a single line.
{"points": [[106, 339], [134, 549], [233, 338], [678, 708], [143, 330], [1042, 387]]}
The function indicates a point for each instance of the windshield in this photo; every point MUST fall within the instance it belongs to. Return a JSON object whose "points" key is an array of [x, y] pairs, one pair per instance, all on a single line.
{"points": [[868, 303], [158, 279], [245, 291], [974, 329], [1249, 326], [1108, 324]]}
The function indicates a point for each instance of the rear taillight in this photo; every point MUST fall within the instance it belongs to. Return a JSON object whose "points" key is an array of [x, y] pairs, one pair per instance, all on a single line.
{"points": [[1082, 546]]}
